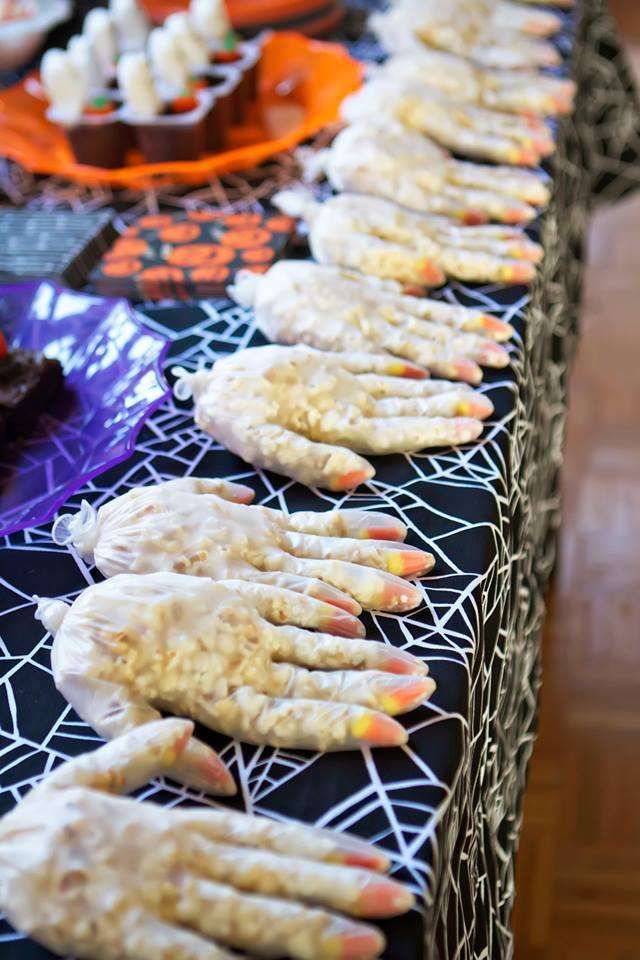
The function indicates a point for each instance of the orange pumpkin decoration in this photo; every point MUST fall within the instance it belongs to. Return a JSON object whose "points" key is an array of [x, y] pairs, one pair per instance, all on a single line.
{"points": [[259, 267], [246, 238], [258, 255], [122, 267], [180, 233], [242, 220], [203, 216], [161, 281], [194, 254], [155, 220], [127, 247], [213, 273], [280, 224]]}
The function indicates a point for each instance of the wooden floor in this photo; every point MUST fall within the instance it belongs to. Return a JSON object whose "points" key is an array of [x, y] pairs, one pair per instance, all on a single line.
{"points": [[578, 892]]}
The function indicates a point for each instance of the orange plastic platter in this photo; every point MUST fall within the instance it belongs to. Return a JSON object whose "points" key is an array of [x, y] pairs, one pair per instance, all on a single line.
{"points": [[302, 83], [243, 13]]}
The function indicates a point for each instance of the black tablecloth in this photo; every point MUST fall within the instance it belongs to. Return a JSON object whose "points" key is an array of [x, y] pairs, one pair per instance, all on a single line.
{"points": [[447, 806]]}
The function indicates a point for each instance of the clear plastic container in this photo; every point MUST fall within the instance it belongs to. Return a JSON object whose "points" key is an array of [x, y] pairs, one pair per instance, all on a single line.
{"points": [[97, 139], [172, 136], [221, 85]]}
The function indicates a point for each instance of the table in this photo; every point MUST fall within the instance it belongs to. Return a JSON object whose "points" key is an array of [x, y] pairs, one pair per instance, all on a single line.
{"points": [[447, 806]]}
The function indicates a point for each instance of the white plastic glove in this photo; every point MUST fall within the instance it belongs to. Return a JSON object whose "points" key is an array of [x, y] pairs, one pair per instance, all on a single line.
{"points": [[238, 657], [304, 412], [192, 526], [523, 92], [462, 127], [299, 301], [88, 873], [388, 160], [383, 239], [492, 34]]}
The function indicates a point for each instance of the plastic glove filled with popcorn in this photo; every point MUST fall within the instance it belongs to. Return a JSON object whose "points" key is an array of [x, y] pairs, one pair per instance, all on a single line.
{"points": [[309, 414], [205, 528], [383, 239], [387, 160], [91, 874], [511, 91], [238, 657], [299, 301], [492, 34], [464, 128]]}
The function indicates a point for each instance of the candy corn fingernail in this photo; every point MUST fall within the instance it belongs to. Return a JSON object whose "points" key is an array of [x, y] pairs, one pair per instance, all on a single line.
{"points": [[518, 215], [242, 494], [467, 370], [407, 696], [343, 625], [352, 479], [500, 330], [477, 406], [400, 595], [522, 272], [384, 533], [430, 273], [473, 218], [356, 858], [406, 563], [357, 853], [401, 368], [493, 355], [357, 943], [406, 665], [337, 599], [378, 730], [215, 773], [384, 898], [523, 156]]}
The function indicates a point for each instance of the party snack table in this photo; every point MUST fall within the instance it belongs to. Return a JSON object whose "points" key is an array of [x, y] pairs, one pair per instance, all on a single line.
{"points": [[447, 806]]}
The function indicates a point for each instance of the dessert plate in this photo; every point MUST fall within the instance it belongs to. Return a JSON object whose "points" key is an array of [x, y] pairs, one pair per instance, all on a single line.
{"points": [[310, 17], [113, 381], [301, 85]]}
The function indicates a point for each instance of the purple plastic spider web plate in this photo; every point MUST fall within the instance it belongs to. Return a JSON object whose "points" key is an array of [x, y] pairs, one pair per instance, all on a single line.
{"points": [[112, 366]]}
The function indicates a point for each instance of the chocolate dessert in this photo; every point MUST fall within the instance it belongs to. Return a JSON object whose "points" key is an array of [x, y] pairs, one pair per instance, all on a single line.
{"points": [[29, 382]]}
